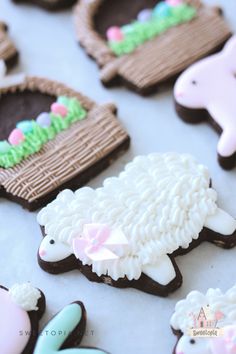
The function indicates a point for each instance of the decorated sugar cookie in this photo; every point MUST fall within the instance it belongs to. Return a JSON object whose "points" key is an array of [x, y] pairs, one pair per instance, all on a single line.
{"points": [[51, 5], [8, 51], [21, 308], [206, 323], [64, 333], [52, 137], [143, 43], [127, 233], [206, 91]]}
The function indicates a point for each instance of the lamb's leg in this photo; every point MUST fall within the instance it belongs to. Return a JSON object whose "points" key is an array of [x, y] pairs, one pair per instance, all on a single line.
{"points": [[221, 222], [227, 143], [162, 272]]}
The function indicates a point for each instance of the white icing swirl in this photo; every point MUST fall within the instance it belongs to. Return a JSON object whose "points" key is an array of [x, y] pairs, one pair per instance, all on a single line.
{"points": [[25, 295], [217, 301], [160, 202]]}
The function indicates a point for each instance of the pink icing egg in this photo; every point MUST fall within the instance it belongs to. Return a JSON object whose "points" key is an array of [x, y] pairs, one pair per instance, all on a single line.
{"points": [[174, 2], [59, 109], [115, 34], [16, 137]]}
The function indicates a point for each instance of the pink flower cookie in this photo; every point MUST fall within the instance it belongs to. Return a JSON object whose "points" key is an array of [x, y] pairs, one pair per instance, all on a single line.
{"points": [[206, 91]]}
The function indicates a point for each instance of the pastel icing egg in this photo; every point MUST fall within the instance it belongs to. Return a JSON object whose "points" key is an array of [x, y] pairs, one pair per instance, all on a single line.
{"points": [[162, 9], [144, 15], [25, 126], [115, 34], [59, 109], [44, 120], [174, 2], [16, 137], [4, 147]]}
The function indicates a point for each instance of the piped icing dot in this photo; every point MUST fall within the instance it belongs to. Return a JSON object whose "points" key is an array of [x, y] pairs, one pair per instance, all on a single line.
{"points": [[44, 120], [4, 147], [162, 9], [25, 126], [144, 15], [59, 109], [115, 34], [16, 137]]}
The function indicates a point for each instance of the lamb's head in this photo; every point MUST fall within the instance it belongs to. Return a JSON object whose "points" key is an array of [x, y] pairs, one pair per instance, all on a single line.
{"points": [[188, 345], [220, 309], [224, 344], [206, 81], [53, 249]]}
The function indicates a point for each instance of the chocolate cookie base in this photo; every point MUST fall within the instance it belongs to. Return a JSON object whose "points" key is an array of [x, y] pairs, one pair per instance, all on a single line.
{"points": [[196, 116], [49, 5], [144, 283]]}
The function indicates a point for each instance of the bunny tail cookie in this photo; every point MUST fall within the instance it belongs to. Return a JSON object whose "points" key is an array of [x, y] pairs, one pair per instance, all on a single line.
{"points": [[135, 42], [65, 332], [8, 51], [21, 308], [50, 5], [127, 233], [206, 92], [206, 323], [51, 138]]}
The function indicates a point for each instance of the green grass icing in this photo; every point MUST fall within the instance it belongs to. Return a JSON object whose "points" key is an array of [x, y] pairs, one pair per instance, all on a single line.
{"points": [[39, 136], [138, 32]]}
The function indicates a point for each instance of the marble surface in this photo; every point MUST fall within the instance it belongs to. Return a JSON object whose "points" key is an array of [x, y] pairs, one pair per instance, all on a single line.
{"points": [[120, 321]]}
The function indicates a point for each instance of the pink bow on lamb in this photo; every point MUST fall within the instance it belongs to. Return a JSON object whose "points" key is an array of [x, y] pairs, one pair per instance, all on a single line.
{"points": [[99, 243]]}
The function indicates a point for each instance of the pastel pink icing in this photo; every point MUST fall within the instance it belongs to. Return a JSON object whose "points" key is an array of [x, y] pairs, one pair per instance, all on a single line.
{"points": [[14, 324], [225, 344], [16, 137], [59, 109], [211, 84]]}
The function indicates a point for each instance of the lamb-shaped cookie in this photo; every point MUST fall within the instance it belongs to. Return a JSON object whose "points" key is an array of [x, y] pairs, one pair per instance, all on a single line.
{"points": [[212, 314], [206, 92], [50, 5], [51, 138], [127, 233], [21, 308], [8, 51], [143, 43]]}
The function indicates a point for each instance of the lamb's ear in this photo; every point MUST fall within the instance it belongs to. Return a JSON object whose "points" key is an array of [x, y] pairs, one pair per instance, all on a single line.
{"points": [[68, 324], [230, 51]]}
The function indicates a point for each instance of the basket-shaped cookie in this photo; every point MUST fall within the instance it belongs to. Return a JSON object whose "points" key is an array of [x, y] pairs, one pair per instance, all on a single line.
{"points": [[57, 138], [144, 43]]}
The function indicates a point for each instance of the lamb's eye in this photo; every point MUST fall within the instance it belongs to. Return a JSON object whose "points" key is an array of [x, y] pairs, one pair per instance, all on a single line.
{"points": [[52, 242], [192, 341], [194, 82]]}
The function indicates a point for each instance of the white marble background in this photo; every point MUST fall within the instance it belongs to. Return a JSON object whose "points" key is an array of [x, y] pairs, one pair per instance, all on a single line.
{"points": [[120, 321]]}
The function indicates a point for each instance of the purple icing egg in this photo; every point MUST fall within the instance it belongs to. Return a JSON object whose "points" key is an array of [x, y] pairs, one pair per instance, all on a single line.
{"points": [[44, 120], [144, 15]]}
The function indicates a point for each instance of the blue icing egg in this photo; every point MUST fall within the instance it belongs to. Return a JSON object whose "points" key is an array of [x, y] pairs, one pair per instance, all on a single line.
{"points": [[4, 147], [25, 126], [144, 15], [162, 9], [44, 120]]}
